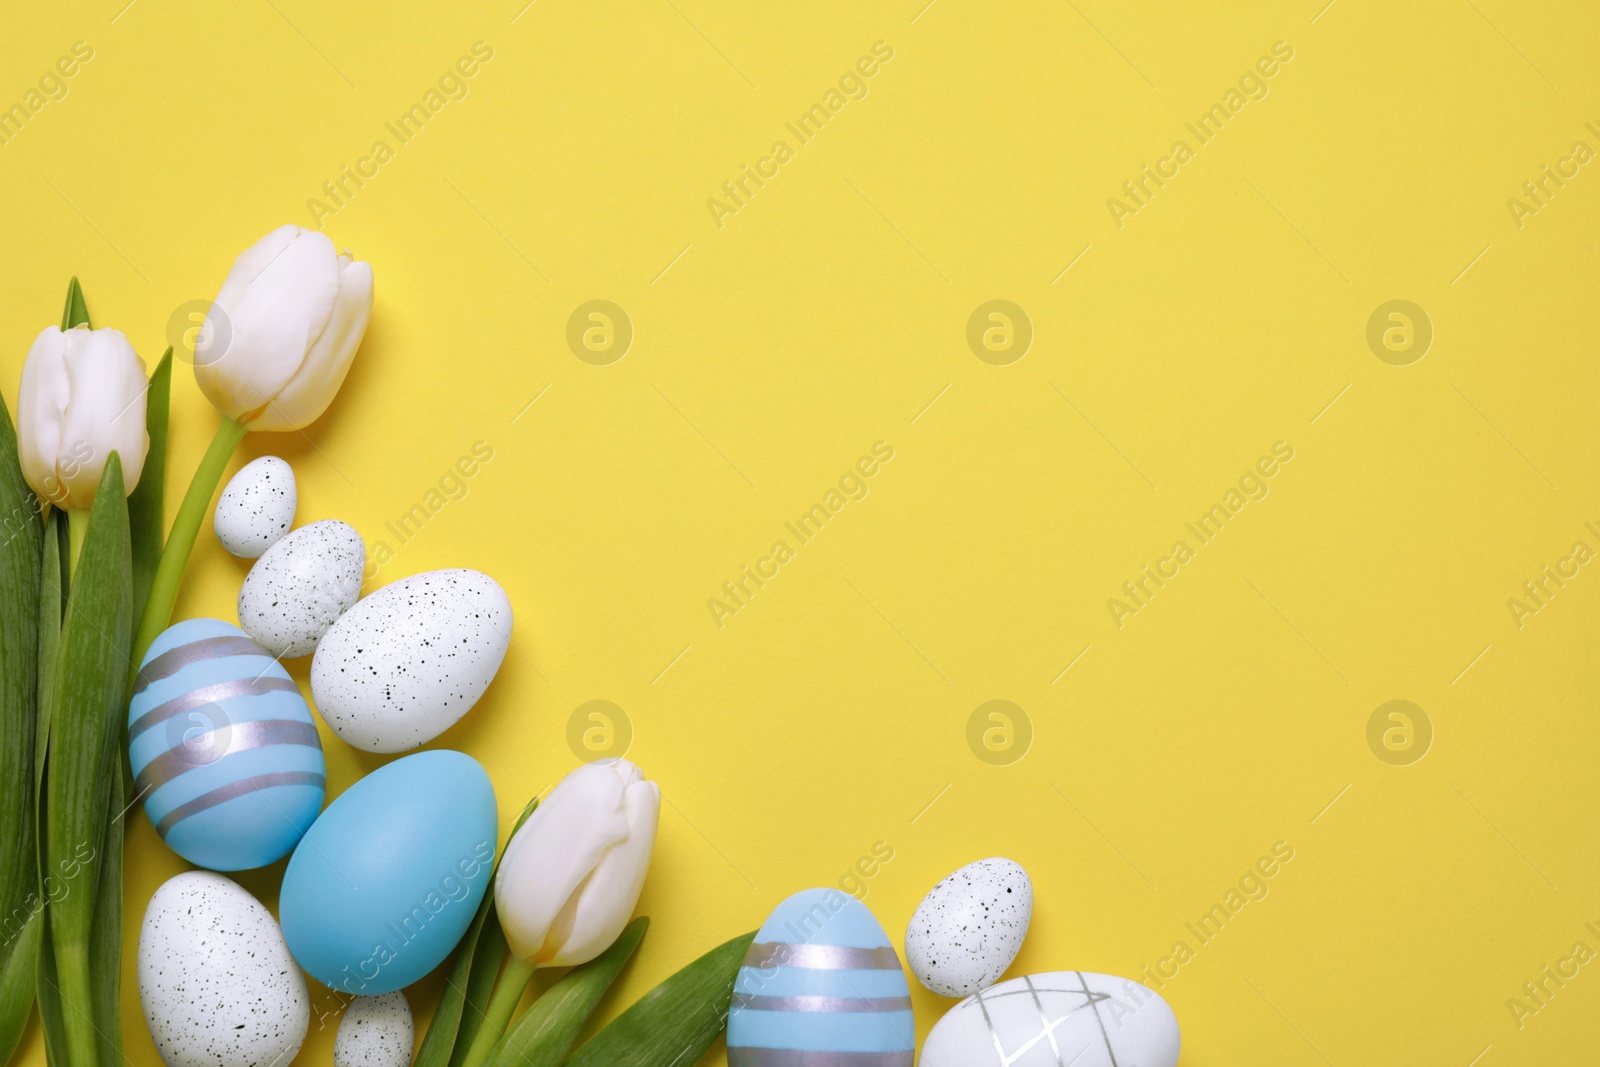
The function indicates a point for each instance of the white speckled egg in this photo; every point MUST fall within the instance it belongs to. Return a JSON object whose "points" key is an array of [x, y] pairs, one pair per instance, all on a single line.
{"points": [[969, 927], [216, 981], [300, 586], [407, 662], [375, 1032], [256, 508]]}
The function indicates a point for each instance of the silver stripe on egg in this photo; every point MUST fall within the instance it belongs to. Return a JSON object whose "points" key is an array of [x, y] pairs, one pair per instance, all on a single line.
{"points": [[1095, 1005], [174, 660], [756, 1002], [212, 746], [234, 790], [984, 997], [749, 1056], [821, 957], [209, 694], [1049, 1025], [994, 1035]]}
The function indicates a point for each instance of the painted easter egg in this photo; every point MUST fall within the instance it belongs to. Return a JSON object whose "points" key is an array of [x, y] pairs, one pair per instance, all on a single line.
{"points": [[387, 879], [1044, 1020], [969, 927], [215, 979], [375, 1032], [407, 662], [301, 585], [223, 748], [256, 507], [821, 986]]}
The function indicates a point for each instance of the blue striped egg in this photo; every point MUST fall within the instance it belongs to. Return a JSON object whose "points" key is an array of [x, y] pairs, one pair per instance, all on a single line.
{"points": [[225, 754], [821, 987]]}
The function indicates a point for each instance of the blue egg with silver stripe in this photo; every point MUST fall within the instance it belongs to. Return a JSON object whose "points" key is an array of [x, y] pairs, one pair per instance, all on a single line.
{"points": [[224, 751], [821, 987]]}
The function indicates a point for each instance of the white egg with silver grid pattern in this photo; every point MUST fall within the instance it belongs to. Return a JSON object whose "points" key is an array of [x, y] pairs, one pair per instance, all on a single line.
{"points": [[1059, 1017]]}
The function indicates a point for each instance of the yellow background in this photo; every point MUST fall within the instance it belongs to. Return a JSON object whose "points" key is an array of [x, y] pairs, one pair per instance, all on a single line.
{"points": [[1227, 715]]}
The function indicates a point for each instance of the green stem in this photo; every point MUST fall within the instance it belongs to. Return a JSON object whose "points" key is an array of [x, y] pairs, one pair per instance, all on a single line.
{"points": [[180, 541], [507, 995], [77, 530]]}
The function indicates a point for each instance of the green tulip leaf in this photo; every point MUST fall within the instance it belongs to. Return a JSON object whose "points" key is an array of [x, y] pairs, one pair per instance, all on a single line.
{"points": [[440, 1040], [21, 535], [454, 1023], [676, 1021], [90, 707], [51, 604], [19, 975], [52, 1013], [51, 601], [76, 312], [105, 936], [486, 961]]}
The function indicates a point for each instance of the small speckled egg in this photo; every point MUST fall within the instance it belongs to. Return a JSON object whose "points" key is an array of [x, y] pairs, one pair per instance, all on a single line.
{"points": [[969, 927], [256, 508], [216, 981], [223, 747], [375, 1032], [406, 663], [821, 986], [301, 585]]}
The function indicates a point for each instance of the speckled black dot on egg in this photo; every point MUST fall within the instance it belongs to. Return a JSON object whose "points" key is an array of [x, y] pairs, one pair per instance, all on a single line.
{"points": [[256, 507], [216, 981], [376, 679], [969, 927], [301, 586], [375, 1032]]}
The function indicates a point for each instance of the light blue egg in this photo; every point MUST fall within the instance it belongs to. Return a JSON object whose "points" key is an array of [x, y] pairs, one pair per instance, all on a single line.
{"points": [[224, 751], [821, 987], [386, 881]]}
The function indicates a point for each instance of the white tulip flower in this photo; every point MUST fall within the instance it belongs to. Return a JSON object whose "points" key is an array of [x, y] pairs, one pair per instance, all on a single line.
{"points": [[82, 397], [281, 334], [273, 350], [570, 878]]}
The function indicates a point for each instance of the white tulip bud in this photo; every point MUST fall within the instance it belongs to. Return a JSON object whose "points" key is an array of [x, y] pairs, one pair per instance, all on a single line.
{"points": [[279, 337], [82, 397], [570, 878]]}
